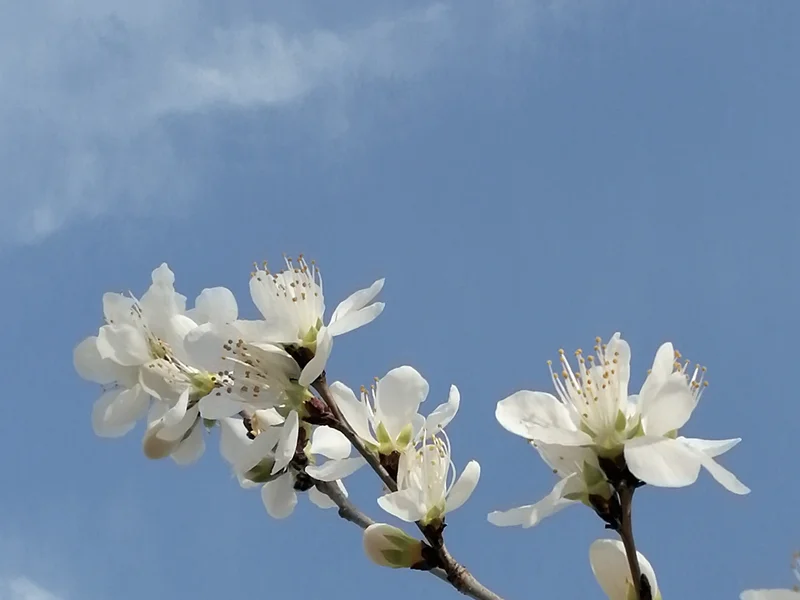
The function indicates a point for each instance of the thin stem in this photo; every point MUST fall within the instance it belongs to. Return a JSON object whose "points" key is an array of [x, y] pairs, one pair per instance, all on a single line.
{"points": [[625, 530], [350, 512], [456, 574], [347, 510]]}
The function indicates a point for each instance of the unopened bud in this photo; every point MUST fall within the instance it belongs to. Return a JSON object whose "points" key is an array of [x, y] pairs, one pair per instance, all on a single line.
{"points": [[391, 547]]}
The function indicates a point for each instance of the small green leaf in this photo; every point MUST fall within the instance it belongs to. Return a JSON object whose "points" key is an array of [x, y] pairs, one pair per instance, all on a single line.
{"points": [[621, 423], [400, 541], [385, 442], [592, 475], [577, 496], [396, 558], [404, 439]]}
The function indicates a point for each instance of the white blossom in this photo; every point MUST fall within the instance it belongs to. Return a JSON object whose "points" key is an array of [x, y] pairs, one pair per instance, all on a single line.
{"points": [[386, 417], [293, 306], [593, 409], [427, 487], [579, 475]]}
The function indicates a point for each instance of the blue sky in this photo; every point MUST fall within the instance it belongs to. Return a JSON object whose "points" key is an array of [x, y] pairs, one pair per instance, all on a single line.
{"points": [[526, 175]]}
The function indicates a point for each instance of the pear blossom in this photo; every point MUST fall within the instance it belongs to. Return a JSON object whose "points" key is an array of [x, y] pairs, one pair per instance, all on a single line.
{"points": [[135, 355], [579, 476], [140, 355], [262, 450], [612, 571], [593, 409], [293, 306], [386, 417], [389, 546], [258, 375], [427, 487]]}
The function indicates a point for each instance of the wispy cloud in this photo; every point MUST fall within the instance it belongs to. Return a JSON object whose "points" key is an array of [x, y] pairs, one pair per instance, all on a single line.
{"points": [[22, 588], [89, 84]]}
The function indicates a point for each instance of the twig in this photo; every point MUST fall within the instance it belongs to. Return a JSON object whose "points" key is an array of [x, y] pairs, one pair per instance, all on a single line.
{"points": [[456, 574], [350, 512], [347, 510], [625, 531]]}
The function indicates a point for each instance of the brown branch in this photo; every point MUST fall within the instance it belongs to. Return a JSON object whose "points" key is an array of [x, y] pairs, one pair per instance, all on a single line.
{"points": [[350, 512], [625, 531]]}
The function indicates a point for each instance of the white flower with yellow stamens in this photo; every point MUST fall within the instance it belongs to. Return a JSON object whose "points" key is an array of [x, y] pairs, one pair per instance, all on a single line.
{"points": [[427, 487], [593, 409], [293, 306]]}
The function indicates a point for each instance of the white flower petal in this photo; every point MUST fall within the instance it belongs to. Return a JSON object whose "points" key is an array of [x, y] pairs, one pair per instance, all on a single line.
{"points": [[444, 413], [176, 414], [397, 398], [279, 496], [659, 373], [620, 351], [204, 346], [233, 440], [712, 448], [319, 499], [464, 486], [287, 444], [403, 505], [610, 567], [539, 416], [332, 470], [217, 305], [218, 407], [566, 460], [91, 366], [124, 344], [356, 301], [316, 365], [117, 410], [117, 308], [178, 430], [354, 412], [532, 514], [662, 462], [330, 443], [355, 319], [669, 408], [190, 449], [724, 477]]}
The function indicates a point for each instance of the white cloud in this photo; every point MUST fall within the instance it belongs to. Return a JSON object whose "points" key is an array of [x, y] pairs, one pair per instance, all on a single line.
{"points": [[22, 588], [88, 86]]}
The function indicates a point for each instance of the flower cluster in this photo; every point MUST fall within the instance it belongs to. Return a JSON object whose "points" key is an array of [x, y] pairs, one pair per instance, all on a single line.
{"points": [[262, 384], [596, 436], [191, 370]]}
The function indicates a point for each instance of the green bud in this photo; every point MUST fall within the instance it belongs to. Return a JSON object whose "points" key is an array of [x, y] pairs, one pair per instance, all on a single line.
{"points": [[592, 475], [404, 439], [262, 472], [621, 423], [391, 547], [385, 442]]}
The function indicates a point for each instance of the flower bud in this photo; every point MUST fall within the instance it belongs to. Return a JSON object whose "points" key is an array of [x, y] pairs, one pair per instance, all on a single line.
{"points": [[391, 547]]}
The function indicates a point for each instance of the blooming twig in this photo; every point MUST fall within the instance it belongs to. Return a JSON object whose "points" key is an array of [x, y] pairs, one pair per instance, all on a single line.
{"points": [[350, 512], [456, 574]]}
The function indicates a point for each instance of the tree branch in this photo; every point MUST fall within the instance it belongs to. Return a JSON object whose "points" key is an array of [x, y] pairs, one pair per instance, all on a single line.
{"points": [[350, 512], [456, 574], [625, 530]]}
